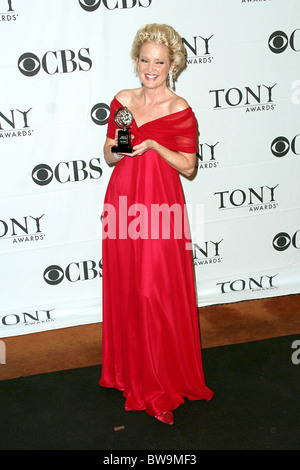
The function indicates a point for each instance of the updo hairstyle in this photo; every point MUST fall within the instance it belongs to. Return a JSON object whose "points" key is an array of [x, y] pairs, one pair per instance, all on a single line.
{"points": [[160, 34]]}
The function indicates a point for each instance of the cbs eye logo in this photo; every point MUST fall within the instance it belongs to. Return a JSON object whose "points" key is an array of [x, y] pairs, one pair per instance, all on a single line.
{"points": [[100, 114], [42, 174], [281, 146], [29, 64], [279, 41], [53, 275], [90, 5], [283, 240]]}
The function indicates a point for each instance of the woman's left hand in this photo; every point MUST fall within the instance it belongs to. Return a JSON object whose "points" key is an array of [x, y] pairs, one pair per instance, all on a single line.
{"points": [[141, 148]]}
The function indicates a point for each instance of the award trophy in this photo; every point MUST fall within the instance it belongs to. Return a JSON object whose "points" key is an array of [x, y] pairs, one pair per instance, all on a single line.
{"points": [[123, 118]]}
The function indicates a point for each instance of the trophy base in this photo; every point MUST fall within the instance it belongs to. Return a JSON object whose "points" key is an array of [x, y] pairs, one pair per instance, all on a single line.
{"points": [[121, 149]]}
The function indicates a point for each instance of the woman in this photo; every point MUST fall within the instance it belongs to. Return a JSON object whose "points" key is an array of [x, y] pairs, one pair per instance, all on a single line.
{"points": [[151, 345]]}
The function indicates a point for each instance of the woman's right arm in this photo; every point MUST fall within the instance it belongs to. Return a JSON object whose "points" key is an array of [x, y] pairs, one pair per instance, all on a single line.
{"points": [[109, 156]]}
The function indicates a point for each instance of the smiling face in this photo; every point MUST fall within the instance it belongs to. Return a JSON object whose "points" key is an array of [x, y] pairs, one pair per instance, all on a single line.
{"points": [[154, 64]]}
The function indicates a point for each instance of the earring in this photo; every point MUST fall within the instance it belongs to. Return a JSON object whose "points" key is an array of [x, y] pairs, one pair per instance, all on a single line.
{"points": [[171, 81]]}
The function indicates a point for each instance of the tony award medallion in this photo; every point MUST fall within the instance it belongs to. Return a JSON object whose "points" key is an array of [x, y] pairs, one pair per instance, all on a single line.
{"points": [[123, 118]]}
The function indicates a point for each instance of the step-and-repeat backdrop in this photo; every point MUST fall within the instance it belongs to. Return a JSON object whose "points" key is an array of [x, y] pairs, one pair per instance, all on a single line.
{"points": [[62, 61]]}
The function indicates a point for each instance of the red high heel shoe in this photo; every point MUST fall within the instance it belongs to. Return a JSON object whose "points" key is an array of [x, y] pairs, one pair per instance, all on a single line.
{"points": [[165, 417]]}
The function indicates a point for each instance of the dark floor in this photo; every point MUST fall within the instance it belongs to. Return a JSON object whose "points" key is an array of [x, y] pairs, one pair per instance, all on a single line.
{"points": [[256, 406]]}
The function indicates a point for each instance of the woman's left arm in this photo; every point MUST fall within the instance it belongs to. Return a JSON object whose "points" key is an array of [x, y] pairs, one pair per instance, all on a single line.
{"points": [[181, 161]]}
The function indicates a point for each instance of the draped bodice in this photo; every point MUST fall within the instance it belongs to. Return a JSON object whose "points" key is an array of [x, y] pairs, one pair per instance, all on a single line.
{"points": [[176, 131]]}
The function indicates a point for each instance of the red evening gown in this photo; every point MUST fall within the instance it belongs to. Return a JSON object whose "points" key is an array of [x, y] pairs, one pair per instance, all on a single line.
{"points": [[151, 343]]}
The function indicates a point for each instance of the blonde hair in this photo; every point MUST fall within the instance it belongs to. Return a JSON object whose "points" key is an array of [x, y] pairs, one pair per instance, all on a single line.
{"points": [[160, 34]]}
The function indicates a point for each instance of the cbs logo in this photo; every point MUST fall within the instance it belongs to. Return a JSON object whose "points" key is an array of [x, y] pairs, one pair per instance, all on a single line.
{"points": [[52, 62], [74, 272]]}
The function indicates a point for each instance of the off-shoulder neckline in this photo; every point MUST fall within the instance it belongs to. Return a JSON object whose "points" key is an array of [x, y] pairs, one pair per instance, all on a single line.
{"points": [[157, 119]]}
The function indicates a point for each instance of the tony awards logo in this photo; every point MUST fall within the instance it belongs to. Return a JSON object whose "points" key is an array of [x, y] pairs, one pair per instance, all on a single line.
{"points": [[123, 118]]}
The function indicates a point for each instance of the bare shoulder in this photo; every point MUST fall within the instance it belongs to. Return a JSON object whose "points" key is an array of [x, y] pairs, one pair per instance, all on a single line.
{"points": [[178, 104], [126, 96]]}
